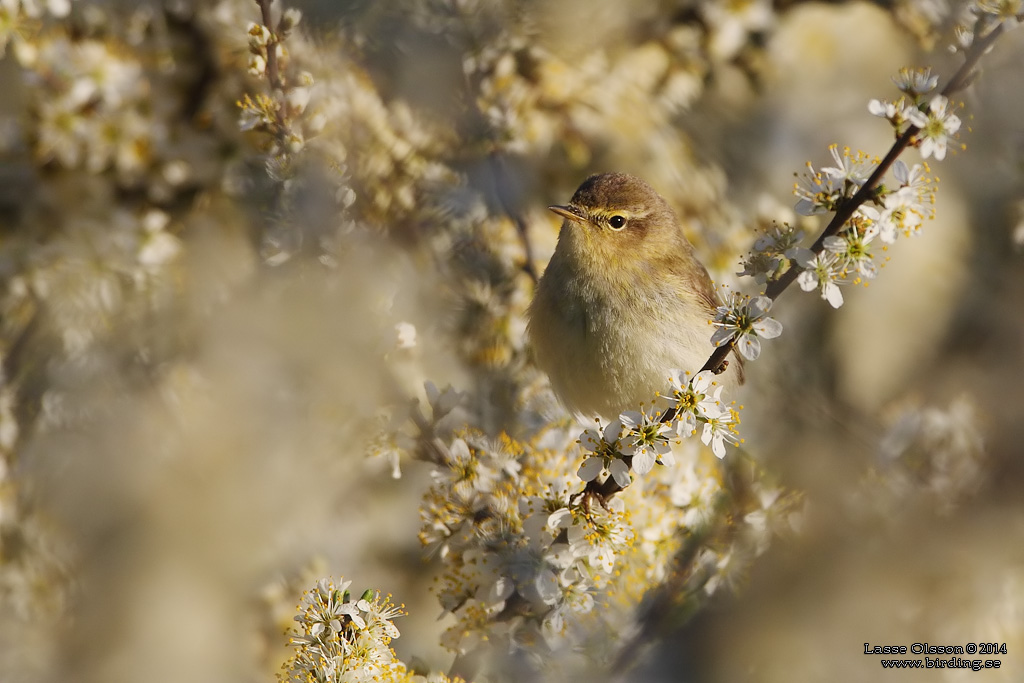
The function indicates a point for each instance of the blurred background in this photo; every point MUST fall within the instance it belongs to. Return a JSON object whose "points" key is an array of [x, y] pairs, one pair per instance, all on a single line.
{"points": [[214, 312]]}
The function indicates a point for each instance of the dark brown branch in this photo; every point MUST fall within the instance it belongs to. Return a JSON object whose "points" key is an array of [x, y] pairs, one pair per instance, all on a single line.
{"points": [[961, 79]]}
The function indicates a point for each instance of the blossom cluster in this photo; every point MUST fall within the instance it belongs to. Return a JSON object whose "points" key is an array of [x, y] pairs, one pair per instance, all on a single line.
{"points": [[928, 122], [277, 113], [534, 562], [933, 118], [343, 639], [636, 440], [521, 555], [18, 18], [982, 18], [744, 321], [848, 256]]}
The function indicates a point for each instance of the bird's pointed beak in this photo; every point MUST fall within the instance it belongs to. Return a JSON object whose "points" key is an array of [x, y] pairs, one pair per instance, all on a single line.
{"points": [[570, 213]]}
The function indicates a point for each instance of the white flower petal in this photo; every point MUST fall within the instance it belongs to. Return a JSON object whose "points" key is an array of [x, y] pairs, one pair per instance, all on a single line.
{"points": [[718, 446], [807, 280], [613, 432], [560, 555], [686, 425], [900, 172], [722, 335], [803, 257], [713, 410], [869, 212], [546, 585], [620, 473], [760, 305], [888, 233], [591, 440], [831, 293], [767, 328], [749, 346], [805, 207], [590, 468], [707, 433], [560, 519], [835, 244], [500, 590], [644, 460], [459, 451], [916, 117], [703, 381]]}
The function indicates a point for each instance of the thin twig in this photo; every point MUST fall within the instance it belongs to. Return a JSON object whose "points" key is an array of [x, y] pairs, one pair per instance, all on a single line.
{"points": [[273, 75], [959, 80]]}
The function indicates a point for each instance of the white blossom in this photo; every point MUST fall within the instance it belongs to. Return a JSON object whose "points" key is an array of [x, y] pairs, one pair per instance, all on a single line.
{"points": [[747, 321], [645, 439], [720, 430], [936, 125], [852, 247], [822, 271], [916, 82]]}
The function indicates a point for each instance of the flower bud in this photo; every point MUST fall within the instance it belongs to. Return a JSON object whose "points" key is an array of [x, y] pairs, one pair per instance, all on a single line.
{"points": [[289, 20], [259, 36], [257, 65], [297, 99], [295, 142]]}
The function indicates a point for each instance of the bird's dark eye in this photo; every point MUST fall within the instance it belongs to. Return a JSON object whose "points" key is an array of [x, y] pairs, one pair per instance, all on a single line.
{"points": [[617, 222]]}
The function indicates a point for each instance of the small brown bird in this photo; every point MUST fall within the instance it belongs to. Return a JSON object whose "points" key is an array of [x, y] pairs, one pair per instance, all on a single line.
{"points": [[623, 301]]}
